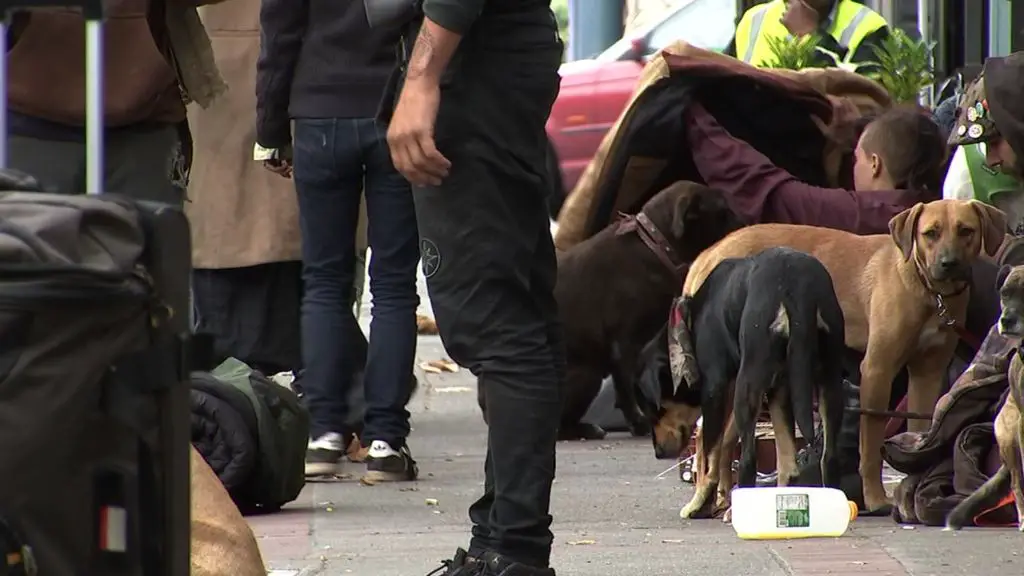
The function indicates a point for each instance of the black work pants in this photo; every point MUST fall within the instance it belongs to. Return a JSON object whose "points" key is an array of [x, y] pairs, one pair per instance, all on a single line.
{"points": [[490, 266]]}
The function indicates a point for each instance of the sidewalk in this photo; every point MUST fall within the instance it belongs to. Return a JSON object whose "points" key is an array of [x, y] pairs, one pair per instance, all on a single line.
{"points": [[613, 515]]}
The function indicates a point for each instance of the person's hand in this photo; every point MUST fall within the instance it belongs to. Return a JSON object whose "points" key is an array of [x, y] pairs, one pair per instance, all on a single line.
{"points": [[411, 134], [844, 111], [800, 19], [282, 165]]}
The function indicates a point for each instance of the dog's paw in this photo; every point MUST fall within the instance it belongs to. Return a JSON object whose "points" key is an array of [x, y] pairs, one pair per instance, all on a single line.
{"points": [[691, 510], [727, 515], [698, 508], [1020, 525]]}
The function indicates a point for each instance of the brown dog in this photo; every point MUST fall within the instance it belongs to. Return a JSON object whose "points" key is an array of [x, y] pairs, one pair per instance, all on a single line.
{"points": [[615, 289], [902, 295], [1009, 426]]}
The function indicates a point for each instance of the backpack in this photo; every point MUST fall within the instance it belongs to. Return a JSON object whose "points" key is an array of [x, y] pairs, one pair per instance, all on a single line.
{"points": [[281, 435]]}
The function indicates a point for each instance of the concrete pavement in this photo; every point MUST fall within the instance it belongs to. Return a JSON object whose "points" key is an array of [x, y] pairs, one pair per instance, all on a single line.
{"points": [[615, 514]]}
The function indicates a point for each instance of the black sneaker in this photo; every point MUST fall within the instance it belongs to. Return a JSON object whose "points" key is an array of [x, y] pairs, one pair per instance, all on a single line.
{"points": [[385, 464], [496, 565], [461, 565], [323, 455]]}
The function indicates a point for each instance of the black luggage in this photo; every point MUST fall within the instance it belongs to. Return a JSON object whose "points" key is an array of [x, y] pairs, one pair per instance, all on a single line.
{"points": [[94, 419]]}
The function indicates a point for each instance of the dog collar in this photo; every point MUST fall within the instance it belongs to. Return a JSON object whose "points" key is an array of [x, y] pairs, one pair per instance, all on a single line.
{"points": [[652, 238]]}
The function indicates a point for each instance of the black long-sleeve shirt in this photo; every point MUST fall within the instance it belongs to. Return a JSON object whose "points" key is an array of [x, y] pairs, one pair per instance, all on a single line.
{"points": [[318, 59]]}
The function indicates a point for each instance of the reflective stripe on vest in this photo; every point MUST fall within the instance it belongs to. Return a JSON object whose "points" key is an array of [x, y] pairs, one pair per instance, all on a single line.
{"points": [[755, 31], [847, 34]]}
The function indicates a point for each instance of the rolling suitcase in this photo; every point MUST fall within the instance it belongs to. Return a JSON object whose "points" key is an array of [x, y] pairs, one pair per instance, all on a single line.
{"points": [[94, 323]]}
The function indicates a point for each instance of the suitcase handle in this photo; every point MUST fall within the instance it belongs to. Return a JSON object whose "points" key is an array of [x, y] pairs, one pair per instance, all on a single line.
{"points": [[93, 12], [92, 9]]}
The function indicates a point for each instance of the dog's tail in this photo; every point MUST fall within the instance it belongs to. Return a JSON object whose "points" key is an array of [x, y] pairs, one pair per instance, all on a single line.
{"points": [[984, 498], [798, 322]]}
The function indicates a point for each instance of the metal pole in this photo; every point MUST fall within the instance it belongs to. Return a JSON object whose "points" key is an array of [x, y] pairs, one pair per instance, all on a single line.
{"points": [[999, 30], [593, 26]]}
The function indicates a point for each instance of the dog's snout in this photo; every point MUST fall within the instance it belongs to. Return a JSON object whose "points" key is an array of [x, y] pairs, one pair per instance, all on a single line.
{"points": [[1010, 323], [948, 262]]}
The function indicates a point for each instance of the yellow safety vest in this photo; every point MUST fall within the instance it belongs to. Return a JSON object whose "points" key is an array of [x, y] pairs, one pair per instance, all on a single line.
{"points": [[851, 24]]}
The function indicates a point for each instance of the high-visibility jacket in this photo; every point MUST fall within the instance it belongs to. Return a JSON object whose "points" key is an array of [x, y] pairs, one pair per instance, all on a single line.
{"points": [[851, 23]]}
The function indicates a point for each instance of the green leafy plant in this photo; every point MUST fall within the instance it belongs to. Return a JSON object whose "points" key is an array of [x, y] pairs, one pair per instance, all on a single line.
{"points": [[793, 53], [904, 66]]}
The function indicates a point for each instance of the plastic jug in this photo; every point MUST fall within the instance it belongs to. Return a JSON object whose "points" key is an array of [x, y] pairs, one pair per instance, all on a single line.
{"points": [[790, 512]]}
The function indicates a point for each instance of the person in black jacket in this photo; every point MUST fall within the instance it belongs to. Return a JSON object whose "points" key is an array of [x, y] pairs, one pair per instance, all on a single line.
{"points": [[468, 132], [321, 65]]}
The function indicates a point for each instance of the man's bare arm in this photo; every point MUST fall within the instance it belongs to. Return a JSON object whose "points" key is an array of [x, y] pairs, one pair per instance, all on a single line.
{"points": [[444, 24]]}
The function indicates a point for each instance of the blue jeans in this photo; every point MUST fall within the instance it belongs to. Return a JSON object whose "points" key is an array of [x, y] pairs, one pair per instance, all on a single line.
{"points": [[335, 161]]}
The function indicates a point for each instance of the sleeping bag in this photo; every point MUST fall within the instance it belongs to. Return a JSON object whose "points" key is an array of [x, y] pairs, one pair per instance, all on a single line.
{"points": [[252, 432]]}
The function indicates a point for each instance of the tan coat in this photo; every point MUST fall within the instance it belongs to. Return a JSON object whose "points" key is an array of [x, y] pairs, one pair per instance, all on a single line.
{"points": [[241, 214]]}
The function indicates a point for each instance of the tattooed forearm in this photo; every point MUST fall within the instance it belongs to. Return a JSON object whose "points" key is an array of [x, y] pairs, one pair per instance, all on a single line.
{"points": [[422, 54], [431, 52]]}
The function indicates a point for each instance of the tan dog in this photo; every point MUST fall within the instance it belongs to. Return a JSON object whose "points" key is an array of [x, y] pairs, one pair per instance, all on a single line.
{"points": [[1009, 426], [900, 295]]}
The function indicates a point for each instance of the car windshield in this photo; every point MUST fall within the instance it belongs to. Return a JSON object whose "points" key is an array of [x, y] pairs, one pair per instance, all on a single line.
{"points": [[707, 24]]}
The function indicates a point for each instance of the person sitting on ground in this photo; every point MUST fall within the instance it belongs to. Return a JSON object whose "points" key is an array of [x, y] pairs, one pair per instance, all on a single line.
{"points": [[899, 160], [973, 172]]}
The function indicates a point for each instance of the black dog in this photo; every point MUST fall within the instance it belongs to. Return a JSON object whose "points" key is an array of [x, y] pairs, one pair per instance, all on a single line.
{"points": [[771, 326]]}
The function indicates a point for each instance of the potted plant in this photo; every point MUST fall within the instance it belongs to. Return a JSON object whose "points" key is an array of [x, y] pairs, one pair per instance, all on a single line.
{"points": [[904, 66], [793, 53]]}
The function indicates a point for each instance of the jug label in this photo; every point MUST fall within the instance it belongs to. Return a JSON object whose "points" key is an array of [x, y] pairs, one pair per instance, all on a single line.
{"points": [[792, 510]]}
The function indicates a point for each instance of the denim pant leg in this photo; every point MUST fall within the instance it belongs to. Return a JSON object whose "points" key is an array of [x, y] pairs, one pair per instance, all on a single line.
{"points": [[328, 181], [394, 254]]}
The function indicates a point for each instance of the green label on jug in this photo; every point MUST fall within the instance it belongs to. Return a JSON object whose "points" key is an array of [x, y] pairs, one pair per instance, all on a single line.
{"points": [[792, 510]]}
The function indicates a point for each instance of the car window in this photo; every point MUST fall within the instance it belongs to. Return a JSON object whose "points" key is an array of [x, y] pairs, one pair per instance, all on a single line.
{"points": [[708, 24]]}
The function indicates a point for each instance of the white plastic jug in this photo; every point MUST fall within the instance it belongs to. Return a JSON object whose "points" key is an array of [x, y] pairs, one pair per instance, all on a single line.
{"points": [[791, 512]]}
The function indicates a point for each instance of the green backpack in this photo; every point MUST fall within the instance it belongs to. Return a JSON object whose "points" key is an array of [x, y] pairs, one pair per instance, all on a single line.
{"points": [[282, 432]]}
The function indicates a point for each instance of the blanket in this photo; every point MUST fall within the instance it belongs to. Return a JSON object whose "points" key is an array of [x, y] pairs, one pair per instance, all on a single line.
{"points": [[222, 542], [957, 454], [224, 430], [785, 114]]}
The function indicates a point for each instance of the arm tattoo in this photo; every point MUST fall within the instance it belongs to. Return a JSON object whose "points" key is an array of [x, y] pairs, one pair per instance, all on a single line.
{"points": [[422, 54]]}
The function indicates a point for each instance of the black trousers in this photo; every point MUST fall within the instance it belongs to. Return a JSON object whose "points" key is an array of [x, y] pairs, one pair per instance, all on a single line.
{"points": [[490, 266]]}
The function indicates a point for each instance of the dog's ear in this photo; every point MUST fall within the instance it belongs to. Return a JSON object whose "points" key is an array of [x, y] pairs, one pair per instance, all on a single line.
{"points": [[993, 226], [902, 228], [1004, 272], [691, 207]]}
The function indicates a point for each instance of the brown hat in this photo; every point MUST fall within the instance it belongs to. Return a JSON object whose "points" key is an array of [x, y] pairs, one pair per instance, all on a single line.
{"points": [[974, 120]]}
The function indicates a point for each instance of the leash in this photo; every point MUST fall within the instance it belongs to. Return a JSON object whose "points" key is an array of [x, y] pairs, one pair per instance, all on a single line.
{"points": [[950, 322]]}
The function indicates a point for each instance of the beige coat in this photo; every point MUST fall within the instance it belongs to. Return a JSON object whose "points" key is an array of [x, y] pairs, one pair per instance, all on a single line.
{"points": [[241, 214]]}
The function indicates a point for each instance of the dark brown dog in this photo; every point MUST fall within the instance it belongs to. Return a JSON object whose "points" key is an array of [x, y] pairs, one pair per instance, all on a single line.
{"points": [[615, 289]]}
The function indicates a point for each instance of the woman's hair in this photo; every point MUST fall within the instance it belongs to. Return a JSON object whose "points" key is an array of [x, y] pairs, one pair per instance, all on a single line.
{"points": [[912, 148]]}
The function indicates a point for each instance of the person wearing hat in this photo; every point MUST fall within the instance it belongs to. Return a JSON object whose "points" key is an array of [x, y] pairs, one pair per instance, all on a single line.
{"points": [[989, 135]]}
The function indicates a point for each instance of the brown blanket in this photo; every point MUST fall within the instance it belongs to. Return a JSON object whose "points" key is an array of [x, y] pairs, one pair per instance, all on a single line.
{"points": [[643, 171], [222, 542], [956, 455]]}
